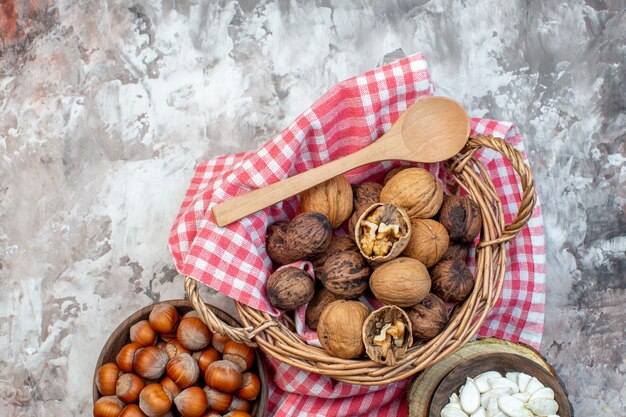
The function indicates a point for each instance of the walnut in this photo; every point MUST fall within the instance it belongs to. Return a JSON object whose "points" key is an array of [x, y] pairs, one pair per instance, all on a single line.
{"points": [[456, 250], [452, 280], [290, 287], [428, 318], [428, 242], [402, 282], [340, 328], [416, 190], [308, 235], [276, 245], [332, 198], [387, 335], [320, 301], [337, 244], [461, 217], [345, 274], [392, 173], [366, 194], [383, 232]]}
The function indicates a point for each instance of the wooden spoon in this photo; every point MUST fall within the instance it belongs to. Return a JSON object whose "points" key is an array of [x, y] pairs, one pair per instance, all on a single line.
{"points": [[430, 130]]}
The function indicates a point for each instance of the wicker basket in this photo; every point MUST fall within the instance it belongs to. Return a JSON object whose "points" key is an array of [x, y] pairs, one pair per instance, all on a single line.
{"points": [[277, 337]]}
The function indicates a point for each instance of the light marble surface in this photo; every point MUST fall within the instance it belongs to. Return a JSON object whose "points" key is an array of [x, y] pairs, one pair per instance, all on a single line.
{"points": [[106, 106]]}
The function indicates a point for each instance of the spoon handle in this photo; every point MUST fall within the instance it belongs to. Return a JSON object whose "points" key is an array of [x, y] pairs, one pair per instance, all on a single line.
{"points": [[253, 201]]}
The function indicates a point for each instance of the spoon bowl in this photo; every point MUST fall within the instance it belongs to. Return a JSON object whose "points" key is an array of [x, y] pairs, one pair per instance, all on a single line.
{"points": [[432, 129]]}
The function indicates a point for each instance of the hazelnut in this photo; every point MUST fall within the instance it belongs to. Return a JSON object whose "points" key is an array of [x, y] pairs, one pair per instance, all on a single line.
{"points": [[308, 235], [332, 198], [392, 173], [428, 242], [193, 334], [387, 335], [340, 327], [461, 217], [345, 274], [452, 280], [320, 301], [106, 378], [382, 232], [108, 406], [402, 282], [276, 245], [289, 287], [366, 194], [428, 318], [456, 250], [416, 190], [337, 244], [223, 376]]}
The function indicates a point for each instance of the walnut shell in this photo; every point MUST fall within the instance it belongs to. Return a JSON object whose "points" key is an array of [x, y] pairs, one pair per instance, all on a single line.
{"points": [[452, 280], [320, 301], [366, 194], [393, 347], [345, 274], [340, 328], [416, 190], [383, 232], [402, 282], [290, 287], [392, 173], [337, 244], [461, 217], [456, 250], [276, 245], [428, 242], [332, 198], [308, 235], [428, 318]]}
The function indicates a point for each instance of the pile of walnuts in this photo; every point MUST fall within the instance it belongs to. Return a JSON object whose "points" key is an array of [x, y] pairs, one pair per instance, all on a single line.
{"points": [[407, 246]]}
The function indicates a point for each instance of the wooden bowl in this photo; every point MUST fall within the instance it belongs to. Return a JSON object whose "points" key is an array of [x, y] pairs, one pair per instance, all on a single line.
{"points": [[503, 363], [121, 336]]}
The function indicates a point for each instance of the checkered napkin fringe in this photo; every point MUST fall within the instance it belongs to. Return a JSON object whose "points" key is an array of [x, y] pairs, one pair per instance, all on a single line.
{"points": [[348, 117]]}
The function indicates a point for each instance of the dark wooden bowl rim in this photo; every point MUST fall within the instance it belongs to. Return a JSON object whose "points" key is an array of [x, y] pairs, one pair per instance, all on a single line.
{"points": [[121, 337], [501, 362]]}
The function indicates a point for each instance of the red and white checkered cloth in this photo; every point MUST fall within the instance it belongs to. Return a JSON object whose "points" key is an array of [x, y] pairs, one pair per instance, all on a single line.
{"points": [[351, 115]]}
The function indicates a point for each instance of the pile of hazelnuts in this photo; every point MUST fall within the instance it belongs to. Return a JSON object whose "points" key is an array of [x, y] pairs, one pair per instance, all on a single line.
{"points": [[175, 366]]}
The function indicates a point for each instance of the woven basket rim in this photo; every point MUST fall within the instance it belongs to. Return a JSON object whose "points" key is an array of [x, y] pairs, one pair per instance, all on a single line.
{"points": [[276, 338]]}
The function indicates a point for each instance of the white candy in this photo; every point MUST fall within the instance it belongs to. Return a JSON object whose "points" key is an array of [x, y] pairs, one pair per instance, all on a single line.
{"points": [[543, 406], [470, 397], [533, 385], [523, 380], [545, 392], [450, 411]]}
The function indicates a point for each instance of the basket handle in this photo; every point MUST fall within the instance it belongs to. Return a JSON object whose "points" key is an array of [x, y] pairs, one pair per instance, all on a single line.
{"points": [[529, 194], [214, 323]]}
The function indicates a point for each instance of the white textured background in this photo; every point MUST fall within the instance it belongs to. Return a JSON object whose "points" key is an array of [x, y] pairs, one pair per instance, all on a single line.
{"points": [[106, 106]]}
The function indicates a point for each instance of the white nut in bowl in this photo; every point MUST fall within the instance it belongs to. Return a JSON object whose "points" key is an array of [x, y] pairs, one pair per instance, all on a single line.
{"points": [[524, 396], [512, 406], [543, 406], [482, 380], [492, 407], [504, 383], [470, 397], [454, 399], [522, 381], [450, 411], [545, 392], [512, 376], [479, 413], [533, 385], [494, 393]]}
